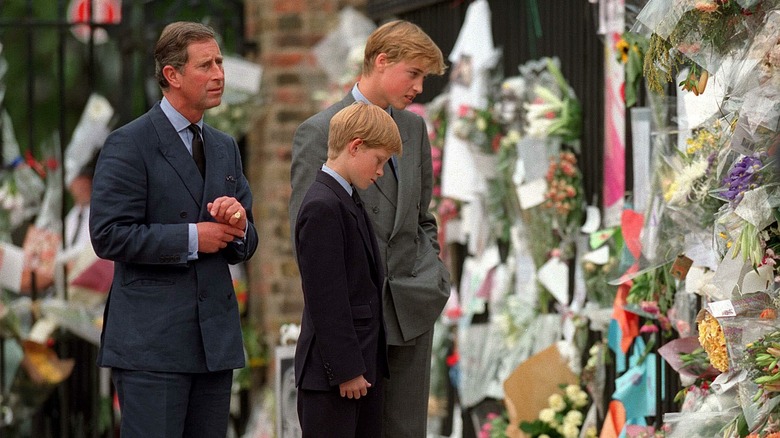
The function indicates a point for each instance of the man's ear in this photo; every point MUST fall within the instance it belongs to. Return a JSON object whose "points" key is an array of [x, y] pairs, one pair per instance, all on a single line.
{"points": [[354, 145], [381, 61], [171, 75]]}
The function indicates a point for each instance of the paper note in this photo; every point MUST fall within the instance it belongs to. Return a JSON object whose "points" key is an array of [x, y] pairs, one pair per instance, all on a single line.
{"points": [[531, 194], [11, 266]]}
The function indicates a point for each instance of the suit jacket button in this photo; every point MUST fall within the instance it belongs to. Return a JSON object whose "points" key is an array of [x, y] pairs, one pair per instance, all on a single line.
{"points": [[414, 273], [375, 210], [202, 297], [183, 214], [390, 278]]}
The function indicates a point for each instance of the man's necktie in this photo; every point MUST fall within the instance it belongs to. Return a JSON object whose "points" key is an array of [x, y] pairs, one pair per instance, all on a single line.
{"points": [[356, 198], [197, 149]]}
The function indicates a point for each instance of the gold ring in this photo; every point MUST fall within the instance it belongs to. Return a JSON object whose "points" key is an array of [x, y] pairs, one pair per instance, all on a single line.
{"points": [[237, 215]]}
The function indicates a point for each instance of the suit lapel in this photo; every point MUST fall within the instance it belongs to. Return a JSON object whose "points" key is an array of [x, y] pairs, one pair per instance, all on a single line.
{"points": [[176, 154], [406, 165], [353, 209]]}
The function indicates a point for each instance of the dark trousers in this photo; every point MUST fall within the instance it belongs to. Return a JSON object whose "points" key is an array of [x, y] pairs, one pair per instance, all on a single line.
{"points": [[325, 414], [167, 405]]}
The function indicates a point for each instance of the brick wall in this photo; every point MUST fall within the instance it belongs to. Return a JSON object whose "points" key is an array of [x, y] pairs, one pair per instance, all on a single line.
{"points": [[284, 32]]}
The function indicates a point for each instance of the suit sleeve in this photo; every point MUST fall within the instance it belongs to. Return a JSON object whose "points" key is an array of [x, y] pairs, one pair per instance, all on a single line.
{"points": [[309, 151], [123, 234], [241, 250], [320, 249]]}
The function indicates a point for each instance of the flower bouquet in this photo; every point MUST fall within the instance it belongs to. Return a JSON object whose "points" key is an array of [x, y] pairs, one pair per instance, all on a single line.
{"points": [[481, 127], [494, 426], [713, 341], [691, 175], [563, 416], [697, 34], [747, 225], [554, 110], [563, 199], [630, 51]]}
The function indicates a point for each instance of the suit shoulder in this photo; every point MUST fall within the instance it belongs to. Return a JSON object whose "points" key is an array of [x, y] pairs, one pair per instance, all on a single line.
{"points": [[219, 135], [323, 117], [408, 116]]}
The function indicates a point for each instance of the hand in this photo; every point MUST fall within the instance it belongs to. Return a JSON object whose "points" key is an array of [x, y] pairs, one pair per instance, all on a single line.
{"points": [[227, 210], [354, 388], [213, 236]]}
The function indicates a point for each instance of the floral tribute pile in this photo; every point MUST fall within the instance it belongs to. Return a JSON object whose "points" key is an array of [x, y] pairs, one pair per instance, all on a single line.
{"points": [[691, 278]]}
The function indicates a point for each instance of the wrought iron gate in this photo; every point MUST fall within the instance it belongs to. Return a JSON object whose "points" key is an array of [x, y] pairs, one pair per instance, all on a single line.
{"points": [[58, 52]]}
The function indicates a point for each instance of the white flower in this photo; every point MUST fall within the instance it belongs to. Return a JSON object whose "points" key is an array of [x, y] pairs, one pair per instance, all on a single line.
{"points": [[513, 135], [570, 431], [547, 95], [461, 128], [573, 417], [540, 110], [685, 182], [547, 415], [481, 124], [503, 322], [556, 402], [288, 333], [572, 391], [538, 128], [544, 435]]}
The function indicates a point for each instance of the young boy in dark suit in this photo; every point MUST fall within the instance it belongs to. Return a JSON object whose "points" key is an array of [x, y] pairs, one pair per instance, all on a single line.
{"points": [[340, 359]]}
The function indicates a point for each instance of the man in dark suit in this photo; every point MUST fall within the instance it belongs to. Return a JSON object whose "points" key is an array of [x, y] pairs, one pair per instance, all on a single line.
{"points": [[172, 208], [398, 57], [341, 358]]}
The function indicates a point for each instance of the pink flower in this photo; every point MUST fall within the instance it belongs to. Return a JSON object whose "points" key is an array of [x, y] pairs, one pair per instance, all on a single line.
{"points": [[454, 312], [436, 167], [463, 111], [648, 328], [417, 108], [650, 307]]}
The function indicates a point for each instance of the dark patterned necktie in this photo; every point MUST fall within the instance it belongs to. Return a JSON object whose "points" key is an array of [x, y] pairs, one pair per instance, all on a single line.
{"points": [[197, 149]]}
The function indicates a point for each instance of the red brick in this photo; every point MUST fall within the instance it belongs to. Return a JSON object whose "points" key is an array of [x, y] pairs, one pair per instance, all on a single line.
{"points": [[286, 6], [285, 59]]}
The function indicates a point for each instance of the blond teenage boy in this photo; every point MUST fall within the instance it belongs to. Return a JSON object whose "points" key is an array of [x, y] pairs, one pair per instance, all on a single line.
{"points": [[398, 57]]}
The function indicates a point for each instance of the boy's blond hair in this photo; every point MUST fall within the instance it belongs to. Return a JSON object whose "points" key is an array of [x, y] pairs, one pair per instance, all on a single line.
{"points": [[403, 41], [367, 122]]}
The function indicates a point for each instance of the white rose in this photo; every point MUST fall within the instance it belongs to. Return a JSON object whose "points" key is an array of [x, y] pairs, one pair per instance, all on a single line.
{"points": [[573, 417], [547, 415], [556, 402], [570, 431]]}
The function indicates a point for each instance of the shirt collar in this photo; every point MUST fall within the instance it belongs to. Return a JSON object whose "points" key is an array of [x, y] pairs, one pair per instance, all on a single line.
{"points": [[340, 179], [178, 121], [359, 97]]}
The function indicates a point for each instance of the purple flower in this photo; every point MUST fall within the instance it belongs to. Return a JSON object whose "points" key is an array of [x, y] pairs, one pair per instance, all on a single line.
{"points": [[742, 177]]}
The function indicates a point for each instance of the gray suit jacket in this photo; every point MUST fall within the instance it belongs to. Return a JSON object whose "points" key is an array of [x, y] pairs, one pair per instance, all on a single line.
{"points": [[417, 282], [165, 313]]}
